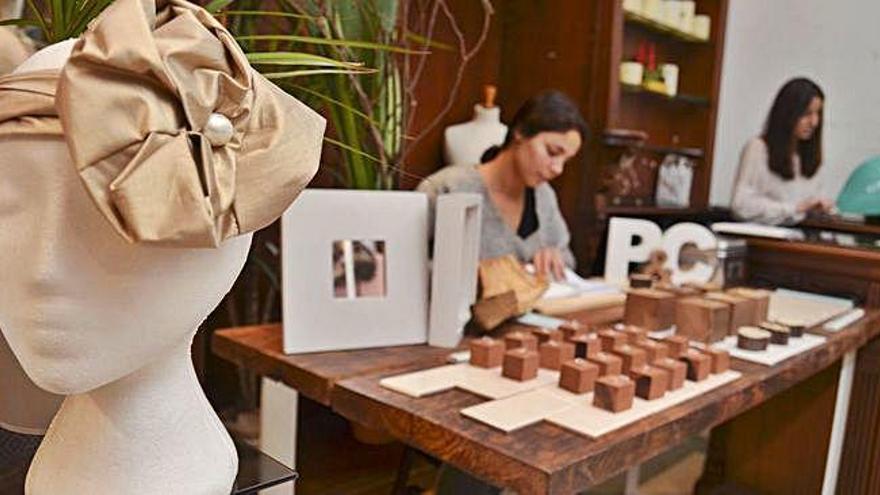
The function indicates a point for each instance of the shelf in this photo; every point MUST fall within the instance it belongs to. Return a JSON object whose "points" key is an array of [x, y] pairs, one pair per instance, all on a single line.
{"points": [[661, 28], [679, 98]]}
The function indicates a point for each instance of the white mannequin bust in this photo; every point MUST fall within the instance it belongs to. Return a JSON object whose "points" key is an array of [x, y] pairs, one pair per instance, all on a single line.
{"points": [[109, 325], [465, 143]]}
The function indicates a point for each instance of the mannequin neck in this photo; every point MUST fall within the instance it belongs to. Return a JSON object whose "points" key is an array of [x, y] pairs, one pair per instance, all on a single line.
{"points": [[157, 414], [487, 115]]}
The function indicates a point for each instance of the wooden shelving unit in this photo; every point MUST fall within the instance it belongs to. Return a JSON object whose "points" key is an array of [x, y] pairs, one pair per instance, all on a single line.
{"points": [[661, 28], [678, 98]]}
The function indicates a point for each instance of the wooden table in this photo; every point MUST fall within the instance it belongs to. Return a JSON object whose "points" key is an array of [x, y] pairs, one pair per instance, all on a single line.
{"points": [[538, 459]]}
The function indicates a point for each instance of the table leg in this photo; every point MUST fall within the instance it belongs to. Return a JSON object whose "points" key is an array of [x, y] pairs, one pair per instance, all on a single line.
{"points": [[278, 414], [632, 480], [838, 427], [403, 470]]}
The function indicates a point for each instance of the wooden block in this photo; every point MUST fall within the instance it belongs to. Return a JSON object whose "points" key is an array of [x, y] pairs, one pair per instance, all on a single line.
{"points": [[520, 364], [632, 332], [752, 338], [703, 286], [720, 359], [491, 312], [677, 371], [640, 281], [679, 291], [571, 329], [553, 353], [778, 333], [651, 382], [649, 309], [611, 339], [520, 339], [614, 393], [631, 357], [586, 345], [546, 334], [608, 364], [760, 297], [742, 309], [677, 344], [578, 376], [698, 364], [653, 349], [701, 319], [487, 352]]}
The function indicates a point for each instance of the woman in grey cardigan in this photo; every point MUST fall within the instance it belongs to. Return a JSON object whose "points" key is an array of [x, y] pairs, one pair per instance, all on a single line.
{"points": [[520, 212]]}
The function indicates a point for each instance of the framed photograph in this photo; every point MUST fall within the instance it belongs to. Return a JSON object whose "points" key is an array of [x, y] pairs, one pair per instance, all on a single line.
{"points": [[355, 270]]}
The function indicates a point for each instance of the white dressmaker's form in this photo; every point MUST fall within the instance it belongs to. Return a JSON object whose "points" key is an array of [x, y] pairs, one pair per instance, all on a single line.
{"points": [[465, 143]]}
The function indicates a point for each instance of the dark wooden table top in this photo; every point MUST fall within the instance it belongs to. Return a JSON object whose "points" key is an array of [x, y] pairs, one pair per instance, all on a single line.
{"points": [[544, 458], [259, 349]]}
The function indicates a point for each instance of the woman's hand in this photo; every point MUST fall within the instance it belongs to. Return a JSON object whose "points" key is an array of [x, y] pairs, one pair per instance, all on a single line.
{"points": [[808, 205], [548, 261]]}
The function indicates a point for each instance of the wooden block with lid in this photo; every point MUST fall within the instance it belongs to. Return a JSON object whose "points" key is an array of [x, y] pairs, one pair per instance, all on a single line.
{"points": [[520, 364], [702, 319], [585, 345], [521, 339], [608, 364], [578, 376], [752, 338], [649, 309], [742, 309], [677, 344], [651, 382], [698, 364], [680, 291], [677, 371], [631, 357], [611, 339], [614, 393], [720, 359], [778, 333], [487, 352], [552, 354]]}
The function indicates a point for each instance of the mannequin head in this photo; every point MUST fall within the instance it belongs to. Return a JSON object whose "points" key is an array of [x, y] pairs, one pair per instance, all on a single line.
{"points": [[80, 306]]}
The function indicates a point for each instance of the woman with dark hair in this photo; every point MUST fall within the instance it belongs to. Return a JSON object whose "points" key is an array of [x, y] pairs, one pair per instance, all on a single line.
{"points": [[520, 212], [777, 181]]}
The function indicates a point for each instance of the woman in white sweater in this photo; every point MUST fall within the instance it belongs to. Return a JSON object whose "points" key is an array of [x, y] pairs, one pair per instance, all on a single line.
{"points": [[777, 182]]}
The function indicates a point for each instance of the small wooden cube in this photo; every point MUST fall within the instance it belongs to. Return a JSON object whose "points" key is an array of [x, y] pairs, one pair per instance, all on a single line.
{"points": [[611, 339], [720, 359], [578, 376], [651, 382], [655, 350], [520, 364], [752, 338], [742, 309], [677, 371], [632, 357], [649, 309], [546, 335], [677, 344], [761, 299], [520, 339], [585, 345], [698, 364], [571, 329], [487, 352], [701, 319], [614, 393], [552, 354], [608, 364]]}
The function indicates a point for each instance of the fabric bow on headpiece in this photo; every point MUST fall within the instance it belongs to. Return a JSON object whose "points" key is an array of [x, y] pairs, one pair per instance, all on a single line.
{"points": [[176, 138]]}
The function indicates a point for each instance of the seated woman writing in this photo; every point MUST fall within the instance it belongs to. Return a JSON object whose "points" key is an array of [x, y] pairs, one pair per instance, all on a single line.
{"points": [[520, 212]]}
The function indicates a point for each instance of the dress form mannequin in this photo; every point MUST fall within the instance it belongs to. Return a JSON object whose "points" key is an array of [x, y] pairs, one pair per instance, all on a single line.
{"points": [[109, 325], [15, 47], [465, 143]]}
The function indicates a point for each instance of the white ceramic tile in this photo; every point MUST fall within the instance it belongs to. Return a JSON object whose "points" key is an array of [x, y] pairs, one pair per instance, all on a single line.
{"points": [[775, 353], [426, 382], [519, 410]]}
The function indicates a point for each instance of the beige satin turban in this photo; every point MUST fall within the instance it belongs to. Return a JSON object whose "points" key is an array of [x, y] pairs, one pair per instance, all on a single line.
{"points": [[176, 138]]}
